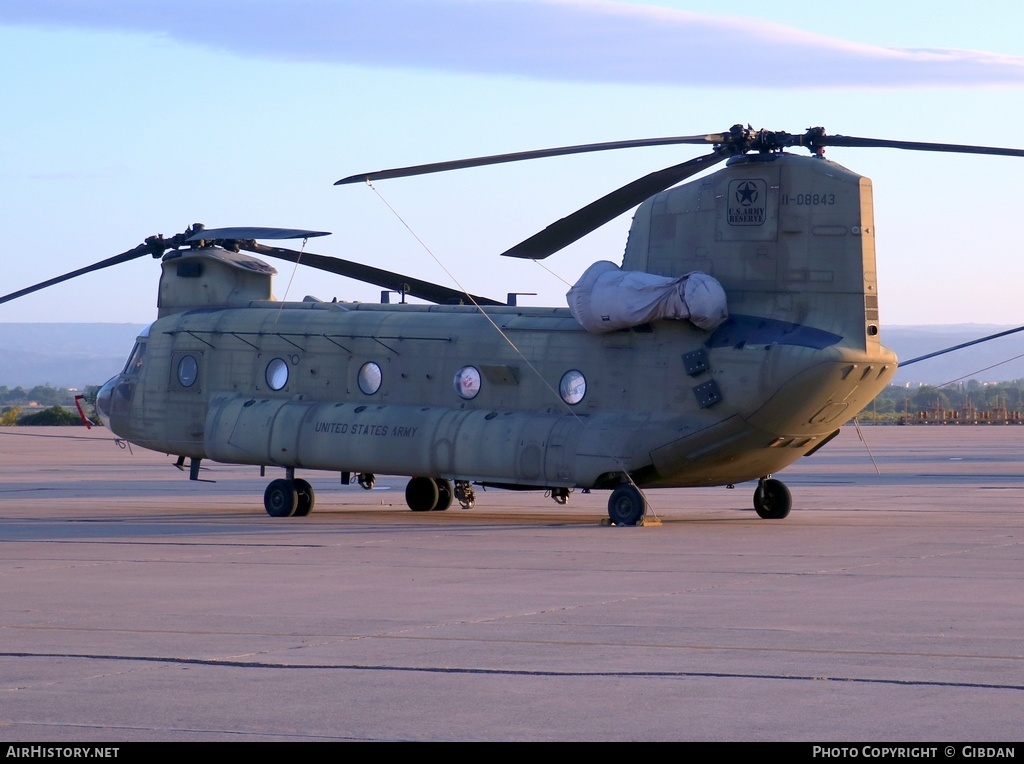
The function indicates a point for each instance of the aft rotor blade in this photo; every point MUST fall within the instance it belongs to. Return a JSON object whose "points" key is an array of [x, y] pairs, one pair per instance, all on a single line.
{"points": [[577, 225], [397, 282], [962, 345], [519, 156], [951, 148]]}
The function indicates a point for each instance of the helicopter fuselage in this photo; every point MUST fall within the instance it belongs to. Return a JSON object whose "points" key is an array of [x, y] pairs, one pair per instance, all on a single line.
{"points": [[368, 388], [526, 397]]}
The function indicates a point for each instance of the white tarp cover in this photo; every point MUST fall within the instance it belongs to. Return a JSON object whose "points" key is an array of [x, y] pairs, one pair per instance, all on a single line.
{"points": [[607, 298]]}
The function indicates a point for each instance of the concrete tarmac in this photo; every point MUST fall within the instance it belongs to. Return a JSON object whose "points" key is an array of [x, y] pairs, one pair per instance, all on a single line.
{"points": [[138, 606]]}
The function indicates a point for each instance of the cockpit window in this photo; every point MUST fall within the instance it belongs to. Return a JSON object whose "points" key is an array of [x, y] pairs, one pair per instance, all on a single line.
{"points": [[134, 364]]}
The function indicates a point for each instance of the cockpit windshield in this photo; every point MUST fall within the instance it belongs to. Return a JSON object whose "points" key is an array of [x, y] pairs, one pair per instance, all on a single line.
{"points": [[134, 364], [135, 360]]}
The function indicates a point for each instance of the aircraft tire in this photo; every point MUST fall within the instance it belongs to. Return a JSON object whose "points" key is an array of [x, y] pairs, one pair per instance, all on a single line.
{"points": [[772, 499], [304, 492], [626, 506], [281, 499], [421, 494], [444, 494]]}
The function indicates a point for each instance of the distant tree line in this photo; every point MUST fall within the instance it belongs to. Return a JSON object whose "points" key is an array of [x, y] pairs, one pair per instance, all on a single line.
{"points": [[44, 395], [962, 401], [44, 405]]}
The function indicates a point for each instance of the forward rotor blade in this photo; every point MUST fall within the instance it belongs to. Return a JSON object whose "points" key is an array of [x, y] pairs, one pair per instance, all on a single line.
{"points": [[577, 225], [519, 156], [397, 282], [154, 246], [247, 233], [951, 148]]}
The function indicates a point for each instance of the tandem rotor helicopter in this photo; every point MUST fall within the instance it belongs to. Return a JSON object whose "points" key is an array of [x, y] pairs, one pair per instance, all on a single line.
{"points": [[739, 333]]}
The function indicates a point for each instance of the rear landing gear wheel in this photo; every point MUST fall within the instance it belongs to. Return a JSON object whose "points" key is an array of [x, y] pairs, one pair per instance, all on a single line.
{"points": [[281, 499], [626, 505], [306, 497], [772, 499], [421, 494], [444, 494]]}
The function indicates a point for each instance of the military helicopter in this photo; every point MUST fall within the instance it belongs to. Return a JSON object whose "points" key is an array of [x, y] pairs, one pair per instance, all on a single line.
{"points": [[739, 333]]}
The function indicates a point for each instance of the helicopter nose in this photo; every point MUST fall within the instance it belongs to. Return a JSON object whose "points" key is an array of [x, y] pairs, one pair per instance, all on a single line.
{"points": [[103, 399]]}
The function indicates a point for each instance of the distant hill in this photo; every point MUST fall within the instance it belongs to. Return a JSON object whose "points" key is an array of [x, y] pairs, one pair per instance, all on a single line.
{"points": [[63, 355], [76, 355]]}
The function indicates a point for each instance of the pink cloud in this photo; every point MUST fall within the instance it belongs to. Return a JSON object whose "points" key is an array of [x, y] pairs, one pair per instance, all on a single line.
{"points": [[563, 40]]}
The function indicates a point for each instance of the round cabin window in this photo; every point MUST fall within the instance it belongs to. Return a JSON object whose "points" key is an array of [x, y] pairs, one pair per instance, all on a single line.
{"points": [[369, 378], [188, 371], [277, 374], [467, 382], [573, 387]]}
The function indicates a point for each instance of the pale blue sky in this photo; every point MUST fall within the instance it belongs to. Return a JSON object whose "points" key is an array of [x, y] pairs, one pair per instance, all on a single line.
{"points": [[124, 119]]}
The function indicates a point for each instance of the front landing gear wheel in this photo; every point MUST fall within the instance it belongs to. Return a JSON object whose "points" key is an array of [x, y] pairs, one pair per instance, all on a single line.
{"points": [[626, 505], [772, 500], [421, 494], [281, 499], [444, 494], [306, 497]]}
